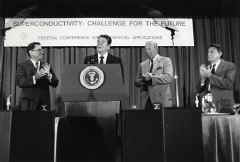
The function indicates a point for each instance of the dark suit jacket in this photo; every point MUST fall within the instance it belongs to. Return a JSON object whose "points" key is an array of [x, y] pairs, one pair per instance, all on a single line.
{"points": [[221, 83], [33, 95], [93, 59]]}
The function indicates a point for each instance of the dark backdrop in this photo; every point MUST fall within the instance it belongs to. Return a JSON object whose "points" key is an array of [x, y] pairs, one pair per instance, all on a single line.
{"points": [[186, 60]]}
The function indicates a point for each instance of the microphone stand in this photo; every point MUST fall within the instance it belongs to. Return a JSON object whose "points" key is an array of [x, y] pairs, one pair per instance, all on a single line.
{"points": [[175, 69], [2, 37], [3, 29], [177, 96], [177, 101]]}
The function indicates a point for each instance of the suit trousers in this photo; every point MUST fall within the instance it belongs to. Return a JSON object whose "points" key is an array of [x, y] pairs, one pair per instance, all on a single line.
{"points": [[148, 105]]}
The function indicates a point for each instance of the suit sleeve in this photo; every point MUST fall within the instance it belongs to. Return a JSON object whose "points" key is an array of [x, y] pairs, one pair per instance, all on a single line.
{"points": [[225, 81], [140, 81], [86, 60], [166, 76], [54, 81], [23, 80]]}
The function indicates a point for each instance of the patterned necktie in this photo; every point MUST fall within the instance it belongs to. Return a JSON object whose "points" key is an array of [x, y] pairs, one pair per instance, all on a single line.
{"points": [[213, 69], [151, 66], [101, 59]]}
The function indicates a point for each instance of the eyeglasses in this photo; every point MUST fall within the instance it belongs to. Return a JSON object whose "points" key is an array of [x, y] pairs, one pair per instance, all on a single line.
{"points": [[39, 50]]}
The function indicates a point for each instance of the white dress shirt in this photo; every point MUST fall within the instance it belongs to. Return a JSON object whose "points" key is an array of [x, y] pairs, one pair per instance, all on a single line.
{"points": [[36, 65], [155, 58], [216, 64], [104, 58]]}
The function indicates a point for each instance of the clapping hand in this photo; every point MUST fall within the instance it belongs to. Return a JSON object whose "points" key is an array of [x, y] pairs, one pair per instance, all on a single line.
{"points": [[147, 76], [40, 73], [46, 68], [44, 71], [205, 72]]}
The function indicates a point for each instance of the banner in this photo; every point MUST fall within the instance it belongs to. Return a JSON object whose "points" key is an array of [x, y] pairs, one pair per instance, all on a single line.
{"points": [[84, 31]]}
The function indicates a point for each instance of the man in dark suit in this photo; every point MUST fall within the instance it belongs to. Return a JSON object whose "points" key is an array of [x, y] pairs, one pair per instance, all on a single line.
{"points": [[112, 150], [103, 56], [218, 78], [34, 78]]}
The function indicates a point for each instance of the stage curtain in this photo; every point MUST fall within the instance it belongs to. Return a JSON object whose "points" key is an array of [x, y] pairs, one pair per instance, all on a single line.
{"points": [[186, 60]]}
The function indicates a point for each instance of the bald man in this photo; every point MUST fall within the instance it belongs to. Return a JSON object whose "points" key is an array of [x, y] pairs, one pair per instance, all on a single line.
{"points": [[154, 77]]}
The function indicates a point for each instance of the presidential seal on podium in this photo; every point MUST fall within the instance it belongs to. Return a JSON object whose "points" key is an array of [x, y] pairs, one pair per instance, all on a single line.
{"points": [[91, 77]]}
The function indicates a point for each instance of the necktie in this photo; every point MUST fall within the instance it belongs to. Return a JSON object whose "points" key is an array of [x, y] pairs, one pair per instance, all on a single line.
{"points": [[151, 66], [213, 69], [101, 59]]}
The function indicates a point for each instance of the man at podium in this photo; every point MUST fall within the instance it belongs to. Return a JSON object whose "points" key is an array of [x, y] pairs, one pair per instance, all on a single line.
{"points": [[34, 78], [154, 77], [106, 109], [103, 56]]}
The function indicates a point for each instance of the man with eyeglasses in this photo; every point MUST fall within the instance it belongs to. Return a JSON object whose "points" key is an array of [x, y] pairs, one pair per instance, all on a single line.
{"points": [[34, 76]]}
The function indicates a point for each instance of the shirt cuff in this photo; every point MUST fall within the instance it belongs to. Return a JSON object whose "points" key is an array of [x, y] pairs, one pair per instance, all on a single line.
{"points": [[34, 80], [50, 77], [149, 82]]}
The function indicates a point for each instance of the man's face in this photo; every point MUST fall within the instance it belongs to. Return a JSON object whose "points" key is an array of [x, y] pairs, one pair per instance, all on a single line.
{"points": [[36, 53], [213, 54], [102, 45], [150, 50]]}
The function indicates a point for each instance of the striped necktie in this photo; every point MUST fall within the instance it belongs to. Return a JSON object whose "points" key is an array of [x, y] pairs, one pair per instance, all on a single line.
{"points": [[101, 59], [151, 66]]}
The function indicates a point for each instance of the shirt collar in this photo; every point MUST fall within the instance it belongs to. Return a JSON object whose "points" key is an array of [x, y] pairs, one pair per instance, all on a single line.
{"points": [[155, 57], [104, 55], [217, 64], [33, 61]]}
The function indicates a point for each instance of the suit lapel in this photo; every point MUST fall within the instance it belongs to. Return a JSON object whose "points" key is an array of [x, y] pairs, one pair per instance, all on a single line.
{"points": [[109, 59], [146, 66], [220, 67], [30, 64], [94, 59], [30, 67], [157, 64]]}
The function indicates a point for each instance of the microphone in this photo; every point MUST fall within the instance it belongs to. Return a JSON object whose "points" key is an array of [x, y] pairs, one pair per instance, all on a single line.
{"points": [[172, 32], [3, 30], [171, 29]]}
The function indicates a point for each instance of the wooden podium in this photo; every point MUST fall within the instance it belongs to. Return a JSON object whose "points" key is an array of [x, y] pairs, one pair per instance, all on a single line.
{"points": [[112, 90], [90, 121]]}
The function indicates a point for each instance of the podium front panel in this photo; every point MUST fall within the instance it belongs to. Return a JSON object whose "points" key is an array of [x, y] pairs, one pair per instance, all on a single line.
{"points": [[147, 137], [5, 133], [32, 137]]}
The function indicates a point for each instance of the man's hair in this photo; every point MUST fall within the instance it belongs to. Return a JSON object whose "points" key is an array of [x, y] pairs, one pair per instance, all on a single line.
{"points": [[153, 44], [217, 46], [107, 37], [32, 46]]}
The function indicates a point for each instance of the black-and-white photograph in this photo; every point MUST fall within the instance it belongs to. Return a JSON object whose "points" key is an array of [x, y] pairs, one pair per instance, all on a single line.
{"points": [[119, 81]]}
